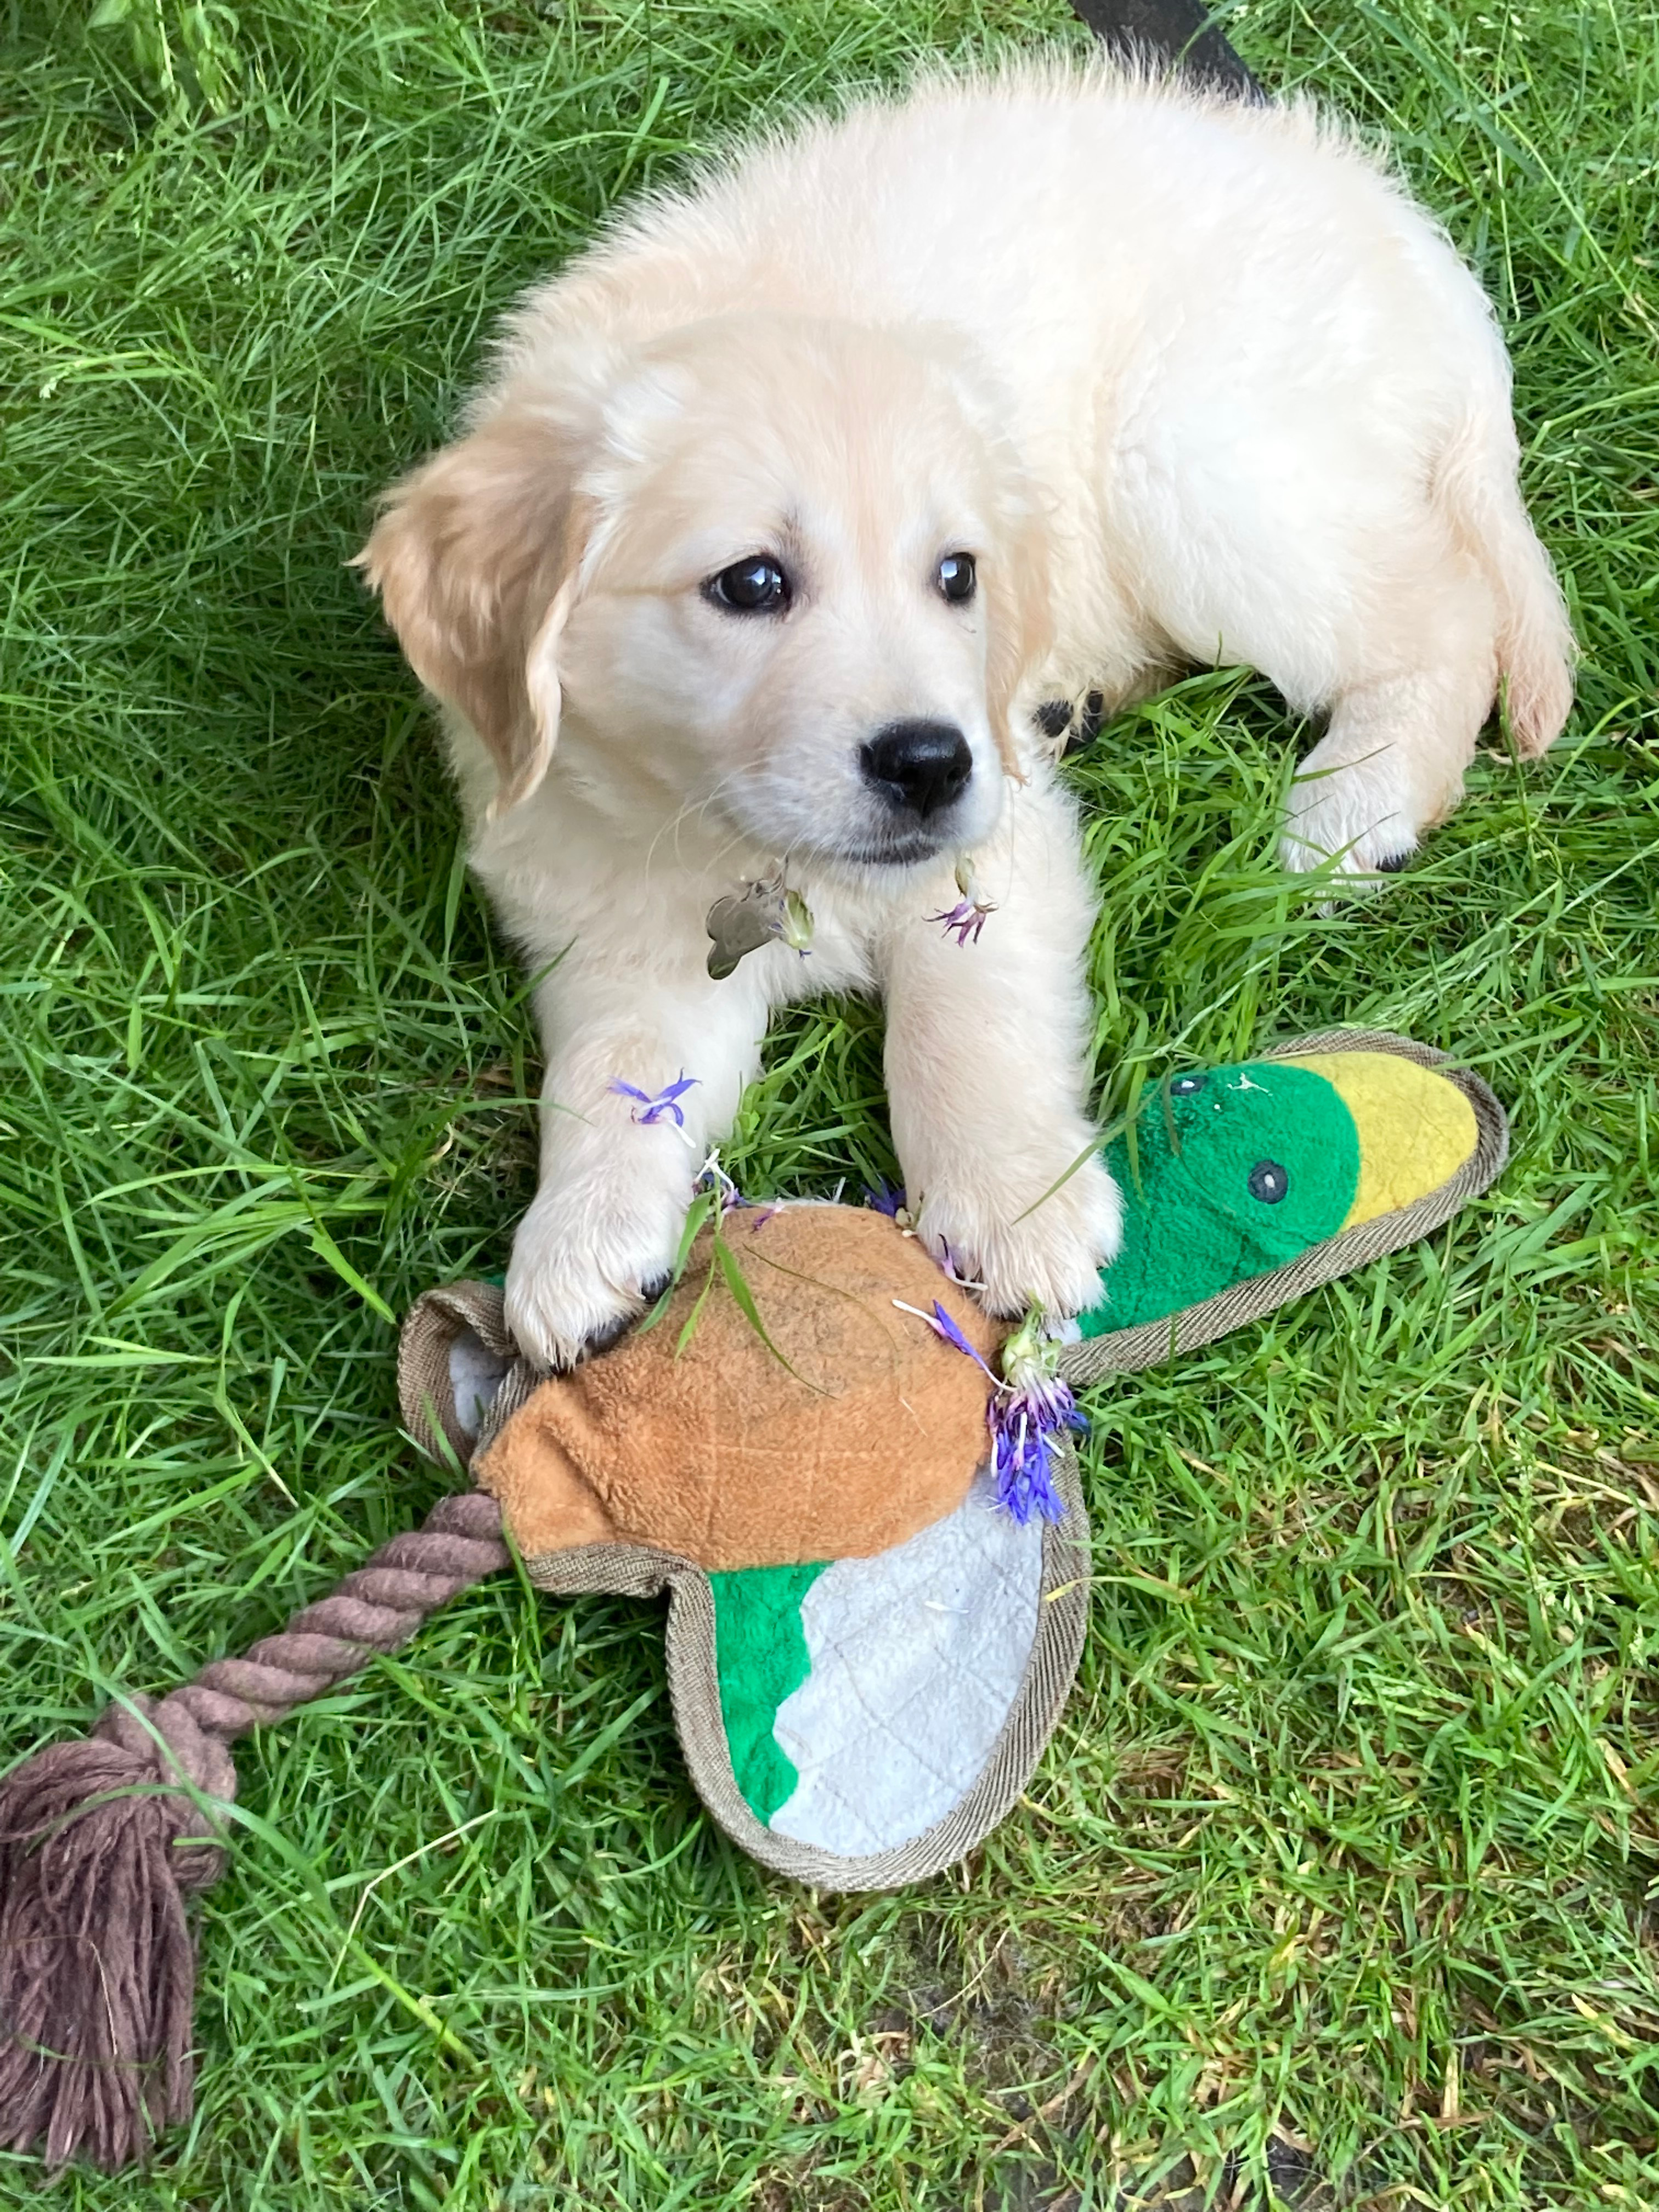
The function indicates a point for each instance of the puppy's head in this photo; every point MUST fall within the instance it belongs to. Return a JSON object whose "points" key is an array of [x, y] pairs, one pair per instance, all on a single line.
{"points": [[783, 572]]}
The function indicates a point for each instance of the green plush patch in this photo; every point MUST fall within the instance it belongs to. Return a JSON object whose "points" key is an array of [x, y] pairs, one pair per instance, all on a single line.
{"points": [[760, 1657], [1227, 1174]]}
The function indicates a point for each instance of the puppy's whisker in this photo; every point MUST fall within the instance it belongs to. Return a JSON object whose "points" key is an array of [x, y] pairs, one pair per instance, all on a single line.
{"points": [[693, 809]]}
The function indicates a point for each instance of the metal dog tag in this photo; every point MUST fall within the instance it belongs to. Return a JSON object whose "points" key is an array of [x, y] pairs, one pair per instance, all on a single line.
{"points": [[742, 922]]}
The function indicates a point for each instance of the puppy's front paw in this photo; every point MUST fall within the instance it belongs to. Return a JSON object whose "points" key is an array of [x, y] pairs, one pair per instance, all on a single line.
{"points": [[1050, 1256], [585, 1262]]}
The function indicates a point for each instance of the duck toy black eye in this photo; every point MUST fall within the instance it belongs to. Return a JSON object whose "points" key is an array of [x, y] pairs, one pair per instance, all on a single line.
{"points": [[1184, 1086], [1268, 1182], [756, 585]]}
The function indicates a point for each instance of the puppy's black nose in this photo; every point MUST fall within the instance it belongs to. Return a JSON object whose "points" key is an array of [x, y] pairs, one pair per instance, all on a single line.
{"points": [[919, 766]]}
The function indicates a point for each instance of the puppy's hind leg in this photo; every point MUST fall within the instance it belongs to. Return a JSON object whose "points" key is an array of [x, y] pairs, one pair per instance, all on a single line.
{"points": [[1400, 734]]}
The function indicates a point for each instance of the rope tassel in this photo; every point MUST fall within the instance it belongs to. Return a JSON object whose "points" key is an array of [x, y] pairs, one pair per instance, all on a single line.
{"points": [[101, 1841]]}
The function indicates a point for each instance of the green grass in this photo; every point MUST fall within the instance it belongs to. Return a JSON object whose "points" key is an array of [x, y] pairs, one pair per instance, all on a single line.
{"points": [[1337, 1879]]}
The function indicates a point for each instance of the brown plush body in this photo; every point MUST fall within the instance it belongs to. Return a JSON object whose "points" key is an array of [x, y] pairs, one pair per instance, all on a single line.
{"points": [[854, 1427]]}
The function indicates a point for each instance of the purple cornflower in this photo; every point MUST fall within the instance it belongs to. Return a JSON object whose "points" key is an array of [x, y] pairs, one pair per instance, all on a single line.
{"points": [[1029, 1407], [966, 919], [885, 1199], [713, 1178], [942, 1325], [666, 1101], [1025, 1420]]}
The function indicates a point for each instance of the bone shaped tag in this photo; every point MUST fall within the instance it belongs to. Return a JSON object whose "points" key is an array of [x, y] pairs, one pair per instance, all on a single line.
{"points": [[742, 922]]}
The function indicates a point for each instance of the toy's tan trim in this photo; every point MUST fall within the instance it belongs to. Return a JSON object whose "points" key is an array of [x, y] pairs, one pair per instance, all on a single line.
{"points": [[1145, 1345], [426, 1393]]}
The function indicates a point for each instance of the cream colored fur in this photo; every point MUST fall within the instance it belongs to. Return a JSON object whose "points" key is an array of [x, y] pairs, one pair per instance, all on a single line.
{"points": [[1192, 381]]}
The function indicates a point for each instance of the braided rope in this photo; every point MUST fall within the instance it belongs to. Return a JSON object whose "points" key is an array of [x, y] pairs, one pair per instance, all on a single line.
{"points": [[97, 1970], [375, 1609]]}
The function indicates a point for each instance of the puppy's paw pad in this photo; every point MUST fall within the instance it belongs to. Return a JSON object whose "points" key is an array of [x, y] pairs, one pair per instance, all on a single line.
{"points": [[1355, 852], [612, 1332]]}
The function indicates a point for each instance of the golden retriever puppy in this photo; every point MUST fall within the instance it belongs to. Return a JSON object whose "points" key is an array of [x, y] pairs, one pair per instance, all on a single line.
{"points": [[787, 505]]}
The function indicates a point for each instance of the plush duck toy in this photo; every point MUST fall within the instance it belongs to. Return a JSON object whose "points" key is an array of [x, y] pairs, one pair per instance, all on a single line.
{"points": [[859, 1493]]}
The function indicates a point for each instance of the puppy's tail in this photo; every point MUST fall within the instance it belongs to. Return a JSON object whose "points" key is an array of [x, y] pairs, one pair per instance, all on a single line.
{"points": [[1476, 489]]}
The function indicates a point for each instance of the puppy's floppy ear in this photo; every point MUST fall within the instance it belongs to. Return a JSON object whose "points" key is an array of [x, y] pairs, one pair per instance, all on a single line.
{"points": [[1014, 578], [476, 557]]}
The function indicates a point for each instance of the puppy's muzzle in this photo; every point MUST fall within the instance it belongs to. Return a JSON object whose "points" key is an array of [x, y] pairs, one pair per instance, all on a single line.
{"points": [[918, 768]]}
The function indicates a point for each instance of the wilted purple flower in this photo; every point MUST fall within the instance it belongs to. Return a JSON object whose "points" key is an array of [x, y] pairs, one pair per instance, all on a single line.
{"points": [[1029, 1407], [965, 920], [712, 1178], [885, 1199], [666, 1101], [1025, 1420], [942, 1325]]}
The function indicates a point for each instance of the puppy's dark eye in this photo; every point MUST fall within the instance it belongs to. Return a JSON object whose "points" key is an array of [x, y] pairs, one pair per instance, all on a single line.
{"points": [[755, 586], [956, 578]]}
